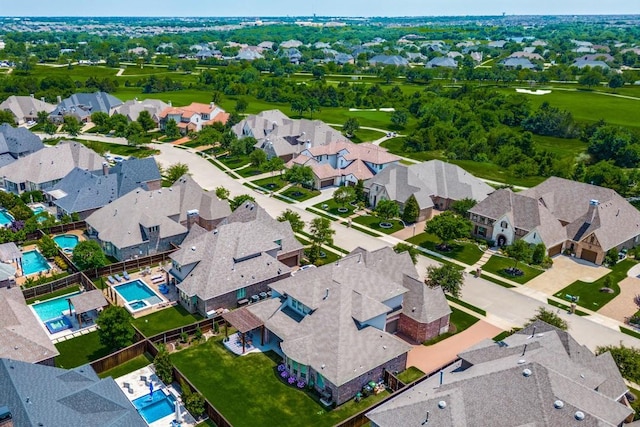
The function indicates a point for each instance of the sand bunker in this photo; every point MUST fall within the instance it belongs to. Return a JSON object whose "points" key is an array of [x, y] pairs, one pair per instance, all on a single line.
{"points": [[533, 92]]}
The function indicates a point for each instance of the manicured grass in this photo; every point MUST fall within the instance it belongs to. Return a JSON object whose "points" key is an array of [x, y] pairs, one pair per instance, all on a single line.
{"points": [[233, 162], [362, 229], [497, 264], [563, 148], [118, 150], [410, 374], [565, 307], [249, 171], [55, 294], [466, 305], [128, 367], [273, 183], [79, 351], [502, 335], [260, 397], [327, 259], [590, 295], [332, 208], [363, 135], [373, 222], [320, 213], [300, 194], [630, 332], [458, 322], [496, 281], [164, 320], [468, 253]]}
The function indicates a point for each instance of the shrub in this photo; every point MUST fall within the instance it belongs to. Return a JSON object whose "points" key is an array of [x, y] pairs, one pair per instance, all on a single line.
{"points": [[61, 263], [184, 337], [611, 258], [198, 334], [164, 367], [291, 380]]}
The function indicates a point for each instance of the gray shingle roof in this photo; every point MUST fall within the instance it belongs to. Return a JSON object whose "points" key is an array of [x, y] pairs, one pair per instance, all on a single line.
{"points": [[132, 108], [389, 60], [21, 334], [25, 107], [44, 395], [84, 104], [18, 141]]}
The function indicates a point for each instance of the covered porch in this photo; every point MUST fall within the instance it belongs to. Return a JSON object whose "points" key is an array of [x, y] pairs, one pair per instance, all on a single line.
{"points": [[252, 335], [85, 304]]}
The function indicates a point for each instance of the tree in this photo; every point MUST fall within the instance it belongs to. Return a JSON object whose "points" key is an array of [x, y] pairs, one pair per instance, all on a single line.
{"points": [[387, 209], [297, 224], [611, 257], [241, 105], [344, 195], [175, 171], [548, 316], [222, 193], [50, 128], [590, 78], [171, 129], [411, 210], [239, 200], [301, 175], [318, 72], [627, 359], [321, 234], [462, 206], [163, 365], [520, 251], [448, 277], [539, 253], [146, 121], [258, 158], [448, 226], [6, 116], [399, 118], [350, 126], [274, 164], [616, 81], [71, 125], [43, 117], [134, 133], [101, 121], [88, 254], [193, 402], [388, 73], [404, 247], [115, 330], [47, 247]]}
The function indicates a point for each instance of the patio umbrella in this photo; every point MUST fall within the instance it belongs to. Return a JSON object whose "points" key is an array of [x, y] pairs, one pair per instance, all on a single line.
{"points": [[178, 414], [150, 388]]}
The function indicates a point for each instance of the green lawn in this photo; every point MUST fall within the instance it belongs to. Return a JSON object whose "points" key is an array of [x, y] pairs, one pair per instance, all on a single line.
{"points": [[273, 183], [118, 150], [300, 194], [497, 264], [260, 397], [590, 295], [363, 135], [233, 162], [164, 320], [79, 351], [373, 222], [410, 374], [54, 294], [466, 305], [327, 259], [565, 307], [330, 206], [128, 367], [458, 321], [468, 253]]}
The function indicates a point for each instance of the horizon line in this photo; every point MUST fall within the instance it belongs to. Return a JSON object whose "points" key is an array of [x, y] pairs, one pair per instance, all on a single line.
{"points": [[317, 16]]}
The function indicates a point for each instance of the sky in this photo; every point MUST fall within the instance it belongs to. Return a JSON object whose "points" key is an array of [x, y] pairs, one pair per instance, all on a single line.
{"points": [[258, 8]]}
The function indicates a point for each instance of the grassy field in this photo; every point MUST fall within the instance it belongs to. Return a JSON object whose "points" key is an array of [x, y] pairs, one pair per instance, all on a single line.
{"points": [[469, 253], [332, 208], [164, 320], [363, 135], [590, 295], [300, 194], [497, 264], [79, 351], [374, 222], [273, 183], [128, 367], [260, 397], [458, 321]]}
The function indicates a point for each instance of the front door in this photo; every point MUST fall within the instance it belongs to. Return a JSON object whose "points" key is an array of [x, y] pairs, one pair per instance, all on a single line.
{"points": [[502, 240]]}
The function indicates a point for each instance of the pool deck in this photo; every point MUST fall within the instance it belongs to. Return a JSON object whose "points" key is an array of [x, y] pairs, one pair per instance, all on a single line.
{"points": [[139, 388], [68, 334]]}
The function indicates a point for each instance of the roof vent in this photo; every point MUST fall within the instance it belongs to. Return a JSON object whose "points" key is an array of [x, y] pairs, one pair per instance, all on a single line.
{"points": [[521, 362], [193, 248], [527, 372], [442, 404], [593, 202], [558, 404], [579, 415]]}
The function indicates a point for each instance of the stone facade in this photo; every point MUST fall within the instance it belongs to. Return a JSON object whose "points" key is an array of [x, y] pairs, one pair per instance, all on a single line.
{"points": [[420, 332]]}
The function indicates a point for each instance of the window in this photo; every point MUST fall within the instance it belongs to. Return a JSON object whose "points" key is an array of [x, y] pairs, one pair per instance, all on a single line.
{"points": [[504, 224], [482, 231], [241, 293]]}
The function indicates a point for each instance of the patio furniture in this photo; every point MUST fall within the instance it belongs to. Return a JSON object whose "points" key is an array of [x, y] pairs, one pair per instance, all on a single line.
{"points": [[126, 385], [255, 298], [126, 275], [163, 290], [143, 378], [263, 295], [111, 280], [117, 277], [130, 390]]}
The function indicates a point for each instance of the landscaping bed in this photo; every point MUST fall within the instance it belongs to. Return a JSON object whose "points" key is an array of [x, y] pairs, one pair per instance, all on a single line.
{"points": [[330, 206], [468, 253], [233, 162], [498, 265], [300, 194], [375, 222]]}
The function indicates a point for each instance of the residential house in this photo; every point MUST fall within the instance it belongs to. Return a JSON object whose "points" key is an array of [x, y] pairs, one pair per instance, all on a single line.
{"points": [[434, 184], [43, 169], [343, 162], [142, 222], [25, 108], [82, 105], [238, 260], [529, 55], [335, 324], [289, 44], [140, 51], [22, 336], [250, 53], [442, 62], [340, 58], [131, 109], [266, 45], [193, 117], [499, 44], [34, 395], [293, 54], [582, 219], [83, 192], [520, 62], [16, 143], [396, 60], [582, 63], [538, 376]]}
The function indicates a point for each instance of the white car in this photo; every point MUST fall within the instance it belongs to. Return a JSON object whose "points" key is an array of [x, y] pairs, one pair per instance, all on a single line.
{"points": [[304, 267]]}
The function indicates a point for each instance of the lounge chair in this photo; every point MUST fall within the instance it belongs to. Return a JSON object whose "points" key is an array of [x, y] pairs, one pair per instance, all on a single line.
{"points": [[111, 280], [143, 378], [126, 385], [126, 275], [117, 277], [130, 390]]}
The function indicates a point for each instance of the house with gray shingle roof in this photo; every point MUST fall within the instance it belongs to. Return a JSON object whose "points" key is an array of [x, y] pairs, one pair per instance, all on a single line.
{"points": [[44, 168], [84, 192], [434, 184], [583, 219], [142, 222], [583, 63], [16, 143], [131, 109], [396, 60], [22, 336], [36, 395], [335, 324], [538, 376], [26, 108], [442, 61], [519, 62], [82, 105], [247, 251]]}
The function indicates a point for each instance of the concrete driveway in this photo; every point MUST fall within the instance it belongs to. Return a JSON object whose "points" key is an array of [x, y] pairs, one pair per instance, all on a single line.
{"points": [[623, 305], [565, 271]]}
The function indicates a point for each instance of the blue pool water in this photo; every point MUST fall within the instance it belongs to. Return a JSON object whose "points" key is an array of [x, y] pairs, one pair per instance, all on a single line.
{"points": [[38, 209], [154, 407], [5, 217], [53, 308], [33, 262], [66, 241], [57, 325], [137, 290]]}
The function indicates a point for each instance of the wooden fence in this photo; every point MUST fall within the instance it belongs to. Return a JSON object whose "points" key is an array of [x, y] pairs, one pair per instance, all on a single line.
{"points": [[121, 356], [132, 264], [205, 325], [55, 285], [394, 383]]}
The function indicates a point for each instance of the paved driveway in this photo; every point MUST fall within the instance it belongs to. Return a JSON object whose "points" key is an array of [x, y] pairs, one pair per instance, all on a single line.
{"points": [[565, 271], [623, 305]]}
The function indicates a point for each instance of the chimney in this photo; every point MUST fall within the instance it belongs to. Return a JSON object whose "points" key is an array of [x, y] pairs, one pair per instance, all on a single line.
{"points": [[31, 95], [593, 208], [59, 99], [6, 419], [105, 168], [212, 105]]}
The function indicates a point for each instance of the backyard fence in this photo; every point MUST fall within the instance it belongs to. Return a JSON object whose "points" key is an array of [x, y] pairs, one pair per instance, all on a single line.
{"points": [[121, 356], [63, 228], [205, 325], [55, 285], [392, 381], [132, 264]]}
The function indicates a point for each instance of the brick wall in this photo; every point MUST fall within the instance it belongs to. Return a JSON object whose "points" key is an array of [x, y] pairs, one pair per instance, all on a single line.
{"points": [[420, 332]]}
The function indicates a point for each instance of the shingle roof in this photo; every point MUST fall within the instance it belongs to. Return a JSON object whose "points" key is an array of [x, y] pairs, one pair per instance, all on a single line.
{"points": [[388, 60], [87, 301], [18, 141], [132, 108], [44, 395], [442, 61], [25, 106], [21, 334], [84, 104]]}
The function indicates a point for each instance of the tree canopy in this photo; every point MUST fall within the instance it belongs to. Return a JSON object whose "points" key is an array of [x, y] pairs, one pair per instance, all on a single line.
{"points": [[114, 327], [447, 276], [88, 254], [448, 226]]}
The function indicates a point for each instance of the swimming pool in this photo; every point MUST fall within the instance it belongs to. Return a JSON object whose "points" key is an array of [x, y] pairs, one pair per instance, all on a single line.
{"points": [[154, 407], [66, 241], [57, 325], [37, 209], [137, 295], [5, 217], [53, 308], [33, 262]]}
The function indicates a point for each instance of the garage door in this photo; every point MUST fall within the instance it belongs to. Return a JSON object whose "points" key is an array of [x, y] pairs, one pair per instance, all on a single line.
{"points": [[589, 255], [290, 261], [326, 183], [555, 250], [392, 327]]}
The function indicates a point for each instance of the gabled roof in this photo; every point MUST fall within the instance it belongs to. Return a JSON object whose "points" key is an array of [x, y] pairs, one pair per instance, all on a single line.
{"points": [[518, 62], [18, 142], [21, 334], [582, 63], [388, 60], [25, 106], [132, 108], [48, 396], [442, 61], [84, 104]]}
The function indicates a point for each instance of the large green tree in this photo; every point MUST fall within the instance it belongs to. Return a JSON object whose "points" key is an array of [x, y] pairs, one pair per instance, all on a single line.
{"points": [[448, 226], [387, 209], [240, 199], [163, 365], [549, 317], [350, 126], [71, 125], [146, 121], [411, 210], [175, 171], [520, 251], [114, 327], [88, 254], [171, 129], [301, 175], [321, 234], [462, 206], [447, 276], [297, 224], [6, 116], [627, 359], [344, 195]]}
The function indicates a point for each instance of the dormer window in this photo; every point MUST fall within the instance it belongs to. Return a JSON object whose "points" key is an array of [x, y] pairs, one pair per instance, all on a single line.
{"points": [[504, 224], [154, 228]]}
